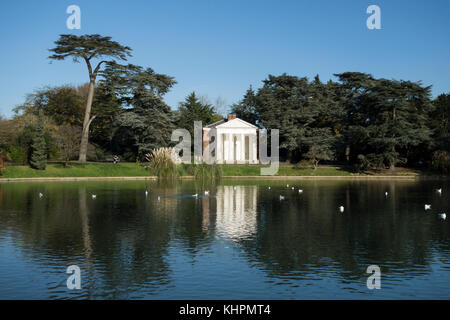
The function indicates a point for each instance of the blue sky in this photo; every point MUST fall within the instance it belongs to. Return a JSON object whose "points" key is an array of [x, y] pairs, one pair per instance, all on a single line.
{"points": [[220, 48]]}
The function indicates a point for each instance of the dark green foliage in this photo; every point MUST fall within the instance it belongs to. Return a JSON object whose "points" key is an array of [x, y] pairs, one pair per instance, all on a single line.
{"points": [[385, 119], [368, 122], [107, 106], [246, 108], [440, 122], [306, 113], [441, 161], [193, 110], [38, 158], [88, 46], [148, 122]]}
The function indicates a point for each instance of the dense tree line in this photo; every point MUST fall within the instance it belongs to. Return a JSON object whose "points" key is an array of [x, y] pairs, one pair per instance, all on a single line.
{"points": [[358, 120]]}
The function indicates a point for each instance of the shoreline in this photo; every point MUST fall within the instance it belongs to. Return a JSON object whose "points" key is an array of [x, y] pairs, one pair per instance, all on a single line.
{"points": [[131, 178]]}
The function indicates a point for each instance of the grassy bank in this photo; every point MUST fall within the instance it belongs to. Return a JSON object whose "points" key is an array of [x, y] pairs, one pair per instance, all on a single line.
{"points": [[136, 170], [77, 170]]}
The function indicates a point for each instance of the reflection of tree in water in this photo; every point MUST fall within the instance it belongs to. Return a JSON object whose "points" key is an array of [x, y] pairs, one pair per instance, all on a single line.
{"points": [[302, 234], [122, 239], [119, 240]]}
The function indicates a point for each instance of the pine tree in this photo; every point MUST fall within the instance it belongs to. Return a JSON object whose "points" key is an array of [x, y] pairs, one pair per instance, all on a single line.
{"points": [[39, 147], [192, 109]]}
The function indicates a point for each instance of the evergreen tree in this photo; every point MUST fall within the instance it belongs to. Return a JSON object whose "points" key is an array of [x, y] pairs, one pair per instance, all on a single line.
{"points": [[149, 122], [193, 110], [440, 122], [246, 108], [88, 48], [39, 148], [386, 119]]}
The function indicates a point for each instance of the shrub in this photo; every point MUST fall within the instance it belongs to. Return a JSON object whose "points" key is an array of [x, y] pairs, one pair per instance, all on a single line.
{"points": [[304, 164], [1, 163], [160, 163], [17, 154], [440, 161]]}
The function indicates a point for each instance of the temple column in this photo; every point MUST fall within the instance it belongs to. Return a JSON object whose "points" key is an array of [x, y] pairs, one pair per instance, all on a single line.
{"points": [[219, 148], [231, 147]]}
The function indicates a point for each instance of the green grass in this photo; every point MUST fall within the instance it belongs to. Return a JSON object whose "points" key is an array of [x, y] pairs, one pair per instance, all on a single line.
{"points": [[77, 170], [134, 169], [254, 170]]}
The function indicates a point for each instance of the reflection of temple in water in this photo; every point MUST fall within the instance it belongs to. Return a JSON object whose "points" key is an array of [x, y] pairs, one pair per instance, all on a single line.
{"points": [[236, 211]]}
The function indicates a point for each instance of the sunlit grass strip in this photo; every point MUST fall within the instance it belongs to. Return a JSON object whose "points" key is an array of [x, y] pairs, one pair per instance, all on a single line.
{"points": [[132, 169]]}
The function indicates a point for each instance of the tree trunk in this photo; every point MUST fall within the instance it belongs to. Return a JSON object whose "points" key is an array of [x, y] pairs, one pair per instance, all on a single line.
{"points": [[392, 164], [347, 154], [316, 164], [86, 122]]}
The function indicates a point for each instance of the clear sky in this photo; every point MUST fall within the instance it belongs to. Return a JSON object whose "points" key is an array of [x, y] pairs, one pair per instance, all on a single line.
{"points": [[220, 48]]}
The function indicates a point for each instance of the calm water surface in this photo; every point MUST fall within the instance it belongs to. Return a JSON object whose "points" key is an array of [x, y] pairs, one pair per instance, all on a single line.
{"points": [[240, 242]]}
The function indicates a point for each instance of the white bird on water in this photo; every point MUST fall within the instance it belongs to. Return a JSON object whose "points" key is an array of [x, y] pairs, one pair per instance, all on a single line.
{"points": [[94, 196], [300, 190], [443, 216], [439, 190], [268, 188], [293, 188], [195, 195], [146, 193], [40, 195], [159, 198], [427, 206], [281, 198], [287, 186], [206, 193], [341, 208], [386, 194]]}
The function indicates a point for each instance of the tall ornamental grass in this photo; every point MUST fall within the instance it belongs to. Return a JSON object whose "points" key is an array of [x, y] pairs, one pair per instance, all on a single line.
{"points": [[161, 164]]}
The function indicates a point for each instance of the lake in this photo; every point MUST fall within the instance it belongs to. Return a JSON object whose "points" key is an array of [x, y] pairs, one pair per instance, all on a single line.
{"points": [[239, 242]]}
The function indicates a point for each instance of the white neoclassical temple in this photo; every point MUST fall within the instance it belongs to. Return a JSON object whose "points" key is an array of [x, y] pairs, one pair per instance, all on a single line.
{"points": [[236, 141]]}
